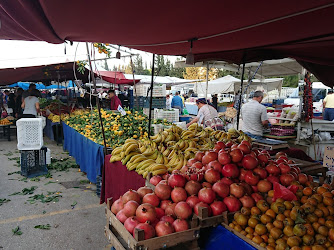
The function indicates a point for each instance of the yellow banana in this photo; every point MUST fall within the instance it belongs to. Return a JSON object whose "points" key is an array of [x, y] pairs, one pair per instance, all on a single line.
{"points": [[127, 158], [115, 158], [116, 151], [159, 171], [154, 155], [131, 148]]}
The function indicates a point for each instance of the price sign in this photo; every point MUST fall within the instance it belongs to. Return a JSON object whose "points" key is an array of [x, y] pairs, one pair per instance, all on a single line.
{"points": [[329, 158], [121, 110]]}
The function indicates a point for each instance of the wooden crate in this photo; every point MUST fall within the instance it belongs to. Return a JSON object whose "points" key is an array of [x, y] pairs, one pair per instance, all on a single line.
{"points": [[250, 242], [312, 168], [203, 220], [119, 236]]}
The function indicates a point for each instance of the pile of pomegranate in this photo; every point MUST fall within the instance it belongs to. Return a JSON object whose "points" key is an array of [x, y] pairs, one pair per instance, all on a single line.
{"points": [[227, 178]]}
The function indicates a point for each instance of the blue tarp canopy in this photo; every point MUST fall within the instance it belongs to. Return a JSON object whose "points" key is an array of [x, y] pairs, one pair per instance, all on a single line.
{"points": [[71, 84], [54, 86], [25, 85]]}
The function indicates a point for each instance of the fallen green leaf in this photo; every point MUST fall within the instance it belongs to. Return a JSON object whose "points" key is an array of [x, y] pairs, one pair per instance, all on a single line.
{"points": [[3, 201], [45, 227], [25, 191], [16, 172], [17, 231]]}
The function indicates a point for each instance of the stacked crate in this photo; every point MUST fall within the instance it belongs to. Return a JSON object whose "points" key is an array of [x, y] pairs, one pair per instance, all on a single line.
{"points": [[142, 98]]}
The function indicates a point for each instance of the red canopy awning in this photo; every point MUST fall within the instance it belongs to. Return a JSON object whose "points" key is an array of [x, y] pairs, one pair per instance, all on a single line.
{"points": [[233, 31], [115, 77]]}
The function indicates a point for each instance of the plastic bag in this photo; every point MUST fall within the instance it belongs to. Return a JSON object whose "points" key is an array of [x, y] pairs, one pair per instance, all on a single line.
{"points": [[185, 111], [286, 194]]}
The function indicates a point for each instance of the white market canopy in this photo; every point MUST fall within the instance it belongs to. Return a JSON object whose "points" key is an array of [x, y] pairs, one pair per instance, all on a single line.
{"points": [[230, 84], [168, 80]]}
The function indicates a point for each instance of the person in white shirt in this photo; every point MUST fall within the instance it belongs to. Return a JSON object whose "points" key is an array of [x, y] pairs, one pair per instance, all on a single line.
{"points": [[254, 116], [205, 112], [168, 102]]}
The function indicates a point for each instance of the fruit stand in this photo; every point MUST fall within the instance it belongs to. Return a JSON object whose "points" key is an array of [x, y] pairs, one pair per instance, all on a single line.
{"points": [[243, 195]]}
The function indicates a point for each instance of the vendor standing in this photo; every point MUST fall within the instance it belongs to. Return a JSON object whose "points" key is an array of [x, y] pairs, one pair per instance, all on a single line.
{"points": [[114, 100], [205, 112], [329, 106], [177, 102], [254, 116], [30, 104]]}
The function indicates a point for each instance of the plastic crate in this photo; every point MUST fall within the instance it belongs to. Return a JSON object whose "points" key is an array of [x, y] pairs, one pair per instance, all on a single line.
{"points": [[159, 90], [170, 115], [33, 162], [157, 102], [29, 134]]}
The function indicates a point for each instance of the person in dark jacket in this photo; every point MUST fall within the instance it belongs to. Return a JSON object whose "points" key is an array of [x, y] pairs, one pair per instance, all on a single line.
{"points": [[11, 104], [18, 103], [215, 101]]}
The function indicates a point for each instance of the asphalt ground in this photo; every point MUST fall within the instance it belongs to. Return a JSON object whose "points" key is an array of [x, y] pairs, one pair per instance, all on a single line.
{"points": [[76, 220]]}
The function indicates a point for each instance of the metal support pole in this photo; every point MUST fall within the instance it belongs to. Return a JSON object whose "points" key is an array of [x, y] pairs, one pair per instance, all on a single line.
{"points": [[150, 111], [241, 92], [134, 82], [207, 80], [97, 100]]}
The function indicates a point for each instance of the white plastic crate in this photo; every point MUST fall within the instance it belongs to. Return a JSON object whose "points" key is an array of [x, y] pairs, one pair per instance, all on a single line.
{"points": [[157, 128], [182, 125], [170, 115], [29, 133], [159, 90]]}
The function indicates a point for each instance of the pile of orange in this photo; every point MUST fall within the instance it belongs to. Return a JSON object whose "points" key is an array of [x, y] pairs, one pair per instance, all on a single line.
{"points": [[306, 224]]}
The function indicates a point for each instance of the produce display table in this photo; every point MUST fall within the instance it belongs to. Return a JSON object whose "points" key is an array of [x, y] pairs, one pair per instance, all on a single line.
{"points": [[221, 237], [117, 179], [192, 108], [88, 154]]}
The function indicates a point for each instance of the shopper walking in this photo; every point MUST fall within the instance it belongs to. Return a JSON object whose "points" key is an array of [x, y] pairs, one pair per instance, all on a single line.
{"points": [[30, 104], [177, 102]]}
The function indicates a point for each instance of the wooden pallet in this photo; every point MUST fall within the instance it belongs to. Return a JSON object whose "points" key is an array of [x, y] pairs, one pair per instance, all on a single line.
{"points": [[250, 242], [122, 239]]}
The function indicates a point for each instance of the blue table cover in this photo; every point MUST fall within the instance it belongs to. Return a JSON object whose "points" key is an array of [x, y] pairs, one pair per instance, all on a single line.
{"points": [[192, 108], [221, 238], [88, 154]]}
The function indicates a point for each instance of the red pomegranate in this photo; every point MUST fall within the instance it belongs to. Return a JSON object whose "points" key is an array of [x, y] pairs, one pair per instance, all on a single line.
{"points": [[230, 170], [130, 224], [227, 181], [159, 212], [212, 176], [148, 229], [145, 190], [264, 186], [121, 216], [247, 143], [236, 155], [131, 195], [192, 187], [190, 162], [237, 190], [224, 157], [221, 189], [244, 148], [215, 165], [249, 162], [197, 165], [232, 203], [192, 200], [163, 191], [178, 194], [248, 188], [218, 207], [176, 180], [145, 212], [130, 208], [247, 201], [207, 195], [209, 157], [202, 204], [170, 209], [155, 180], [207, 185], [183, 210], [151, 199], [117, 206], [286, 179], [199, 155], [164, 204], [251, 178], [180, 225], [167, 218], [273, 169], [163, 228], [302, 178], [261, 172], [285, 168], [263, 158]]}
